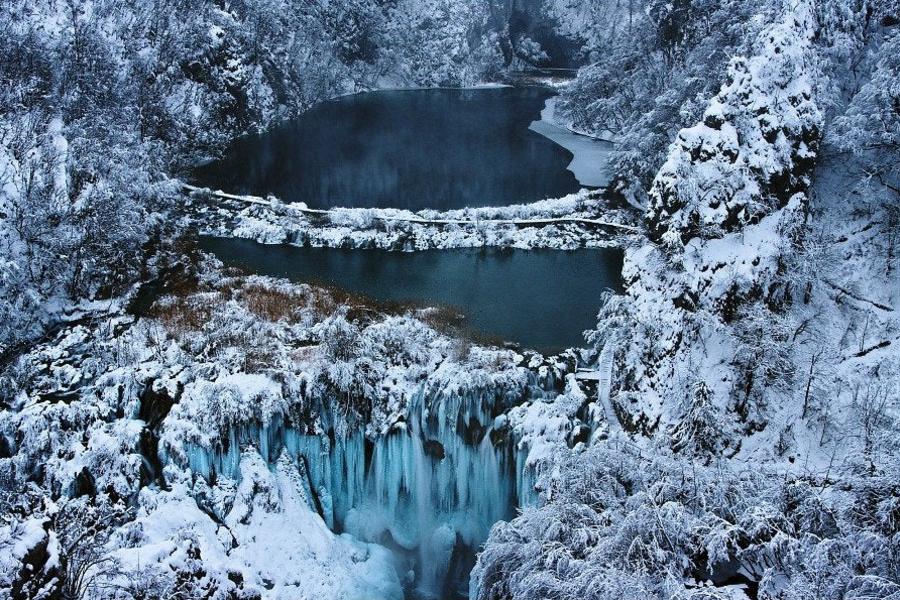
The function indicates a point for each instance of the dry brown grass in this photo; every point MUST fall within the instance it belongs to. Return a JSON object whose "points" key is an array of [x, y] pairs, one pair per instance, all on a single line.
{"points": [[451, 322], [446, 319], [184, 314], [270, 303]]}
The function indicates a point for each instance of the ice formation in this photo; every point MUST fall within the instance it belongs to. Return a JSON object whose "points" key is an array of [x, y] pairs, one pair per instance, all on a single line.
{"points": [[430, 488]]}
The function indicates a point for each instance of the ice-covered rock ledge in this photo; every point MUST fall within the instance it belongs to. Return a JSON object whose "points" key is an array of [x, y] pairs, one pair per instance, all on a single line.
{"points": [[580, 220]]}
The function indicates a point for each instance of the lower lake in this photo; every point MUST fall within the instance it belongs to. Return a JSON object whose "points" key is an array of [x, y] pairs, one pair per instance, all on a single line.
{"points": [[539, 299]]}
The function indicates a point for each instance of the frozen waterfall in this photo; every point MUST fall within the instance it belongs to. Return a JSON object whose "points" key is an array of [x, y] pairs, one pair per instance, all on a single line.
{"points": [[430, 488]]}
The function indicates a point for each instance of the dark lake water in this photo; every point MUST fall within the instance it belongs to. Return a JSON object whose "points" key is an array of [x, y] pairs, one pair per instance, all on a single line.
{"points": [[541, 299], [413, 149]]}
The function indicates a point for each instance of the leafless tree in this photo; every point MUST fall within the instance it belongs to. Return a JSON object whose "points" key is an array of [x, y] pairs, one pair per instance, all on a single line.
{"points": [[873, 406], [83, 527]]}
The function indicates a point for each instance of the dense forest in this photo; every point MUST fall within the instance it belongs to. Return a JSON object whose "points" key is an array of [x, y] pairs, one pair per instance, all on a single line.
{"points": [[741, 441]]}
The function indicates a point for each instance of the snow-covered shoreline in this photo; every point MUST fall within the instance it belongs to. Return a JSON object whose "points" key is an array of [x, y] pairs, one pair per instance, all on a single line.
{"points": [[580, 220], [589, 155]]}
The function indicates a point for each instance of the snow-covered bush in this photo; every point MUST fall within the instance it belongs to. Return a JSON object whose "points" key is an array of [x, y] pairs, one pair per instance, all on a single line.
{"points": [[755, 147], [726, 214], [621, 525]]}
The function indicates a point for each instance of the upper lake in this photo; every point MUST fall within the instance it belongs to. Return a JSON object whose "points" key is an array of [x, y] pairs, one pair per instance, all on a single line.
{"points": [[411, 149]]}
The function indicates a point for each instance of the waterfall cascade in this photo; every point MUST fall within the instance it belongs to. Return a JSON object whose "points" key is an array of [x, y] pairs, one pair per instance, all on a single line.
{"points": [[430, 488]]}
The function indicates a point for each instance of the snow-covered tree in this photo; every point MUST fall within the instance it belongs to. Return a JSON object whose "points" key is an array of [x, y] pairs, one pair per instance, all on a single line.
{"points": [[698, 431]]}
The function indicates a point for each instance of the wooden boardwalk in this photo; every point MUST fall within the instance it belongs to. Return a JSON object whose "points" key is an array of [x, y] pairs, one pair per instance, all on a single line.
{"points": [[602, 374]]}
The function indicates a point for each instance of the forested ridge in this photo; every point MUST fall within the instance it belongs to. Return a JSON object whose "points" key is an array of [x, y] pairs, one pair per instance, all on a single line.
{"points": [[755, 343]]}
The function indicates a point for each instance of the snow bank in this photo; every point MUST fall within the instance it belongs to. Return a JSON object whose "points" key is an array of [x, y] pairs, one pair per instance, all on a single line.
{"points": [[579, 220], [589, 155]]}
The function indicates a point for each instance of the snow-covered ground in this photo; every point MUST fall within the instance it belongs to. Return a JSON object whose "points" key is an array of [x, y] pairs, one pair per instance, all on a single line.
{"points": [[270, 537], [580, 220], [589, 155]]}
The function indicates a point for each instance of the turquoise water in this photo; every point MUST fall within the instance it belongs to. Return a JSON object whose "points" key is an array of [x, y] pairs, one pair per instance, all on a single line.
{"points": [[540, 299]]}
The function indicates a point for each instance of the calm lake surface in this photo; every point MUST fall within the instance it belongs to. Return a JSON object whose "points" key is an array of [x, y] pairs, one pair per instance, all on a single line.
{"points": [[415, 149], [541, 299]]}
